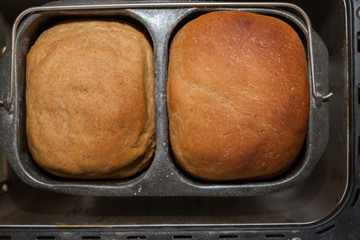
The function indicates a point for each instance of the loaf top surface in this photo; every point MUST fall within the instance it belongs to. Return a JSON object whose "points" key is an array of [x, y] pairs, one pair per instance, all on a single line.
{"points": [[89, 99], [238, 96]]}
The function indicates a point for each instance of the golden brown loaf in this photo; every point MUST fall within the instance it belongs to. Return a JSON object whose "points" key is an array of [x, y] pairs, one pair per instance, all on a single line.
{"points": [[89, 100], [238, 96]]}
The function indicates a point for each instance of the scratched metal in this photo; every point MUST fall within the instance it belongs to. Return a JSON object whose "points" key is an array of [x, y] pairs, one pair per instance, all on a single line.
{"points": [[4, 40]]}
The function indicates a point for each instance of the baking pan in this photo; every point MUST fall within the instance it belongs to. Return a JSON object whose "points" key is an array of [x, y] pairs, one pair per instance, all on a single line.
{"points": [[163, 177], [326, 205]]}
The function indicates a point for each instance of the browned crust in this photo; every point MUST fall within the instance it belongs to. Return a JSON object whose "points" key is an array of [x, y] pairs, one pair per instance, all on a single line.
{"points": [[89, 100], [238, 96]]}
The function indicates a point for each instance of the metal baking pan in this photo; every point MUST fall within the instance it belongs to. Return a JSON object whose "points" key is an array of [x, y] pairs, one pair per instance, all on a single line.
{"points": [[163, 177]]}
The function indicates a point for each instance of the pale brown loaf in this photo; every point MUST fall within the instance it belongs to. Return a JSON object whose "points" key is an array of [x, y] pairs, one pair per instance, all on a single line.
{"points": [[89, 100], [238, 96]]}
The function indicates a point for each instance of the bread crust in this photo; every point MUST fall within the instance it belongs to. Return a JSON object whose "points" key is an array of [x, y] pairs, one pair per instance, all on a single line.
{"points": [[238, 96], [90, 101]]}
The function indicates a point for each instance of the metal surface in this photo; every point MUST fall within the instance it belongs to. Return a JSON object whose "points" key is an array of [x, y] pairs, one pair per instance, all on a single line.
{"points": [[163, 178], [315, 93], [4, 40], [306, 210], [3, 174]]}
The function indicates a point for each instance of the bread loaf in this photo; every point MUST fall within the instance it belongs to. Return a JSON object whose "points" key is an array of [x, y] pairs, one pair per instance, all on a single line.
{"points": [[89, 100], [238, 96]]}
